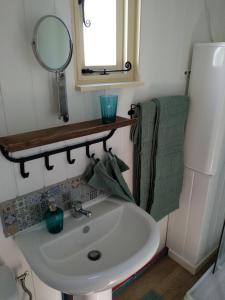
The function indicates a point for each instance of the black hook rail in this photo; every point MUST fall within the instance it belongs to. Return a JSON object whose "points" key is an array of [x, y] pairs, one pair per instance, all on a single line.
{"points": [[128, 67], [47, 154]]}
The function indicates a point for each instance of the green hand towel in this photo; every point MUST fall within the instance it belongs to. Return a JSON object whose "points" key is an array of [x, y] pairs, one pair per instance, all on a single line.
{"points": [[113, 166], [108, 178], [121, 164], [89, 172], [158, 154]]}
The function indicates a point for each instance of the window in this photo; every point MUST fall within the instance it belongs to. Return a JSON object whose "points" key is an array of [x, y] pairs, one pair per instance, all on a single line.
{"points": [[100, 39], [109, 39]]}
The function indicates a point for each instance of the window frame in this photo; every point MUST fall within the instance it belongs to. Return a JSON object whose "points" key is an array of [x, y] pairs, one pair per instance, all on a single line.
{"points": [[128, 12]]}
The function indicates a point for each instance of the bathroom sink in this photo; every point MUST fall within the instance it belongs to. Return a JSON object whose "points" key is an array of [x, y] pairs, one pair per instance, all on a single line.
{"points": [[92, 254]]}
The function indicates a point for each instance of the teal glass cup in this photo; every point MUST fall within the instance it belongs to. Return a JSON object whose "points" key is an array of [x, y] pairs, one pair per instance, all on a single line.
{"points": [[108, 108]]}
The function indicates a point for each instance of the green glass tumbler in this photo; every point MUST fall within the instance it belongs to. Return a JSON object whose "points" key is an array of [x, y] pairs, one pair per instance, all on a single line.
{"points": [[108, 108]]}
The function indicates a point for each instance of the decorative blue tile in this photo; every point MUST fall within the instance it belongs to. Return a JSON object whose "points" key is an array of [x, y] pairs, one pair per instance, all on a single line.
{"points": [[10, 219], [23, 212]]}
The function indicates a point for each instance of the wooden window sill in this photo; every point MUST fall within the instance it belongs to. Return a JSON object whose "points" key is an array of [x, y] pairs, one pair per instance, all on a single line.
{"points": [[107, 86]]}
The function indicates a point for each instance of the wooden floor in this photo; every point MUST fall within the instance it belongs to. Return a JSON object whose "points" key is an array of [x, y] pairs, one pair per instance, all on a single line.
{"points": [[166, 277]]}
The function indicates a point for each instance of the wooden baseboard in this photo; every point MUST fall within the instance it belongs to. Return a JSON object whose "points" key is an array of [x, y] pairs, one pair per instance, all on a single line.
{"points": [[193, 269]]}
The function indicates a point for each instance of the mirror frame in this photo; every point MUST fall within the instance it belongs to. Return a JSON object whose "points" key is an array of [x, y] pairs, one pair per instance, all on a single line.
{"points": [[34, 46]]}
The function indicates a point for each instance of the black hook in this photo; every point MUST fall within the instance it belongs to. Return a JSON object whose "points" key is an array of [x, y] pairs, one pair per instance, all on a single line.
{"points": [[131, 112], [105, 147], [68, 155], [47, 165], [22, 170], [88, 152], [87, 23]]}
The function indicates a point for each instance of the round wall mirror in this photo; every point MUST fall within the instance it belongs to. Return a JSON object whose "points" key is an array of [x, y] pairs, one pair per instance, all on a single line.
{"points": [[53, 49], [52, 44]]}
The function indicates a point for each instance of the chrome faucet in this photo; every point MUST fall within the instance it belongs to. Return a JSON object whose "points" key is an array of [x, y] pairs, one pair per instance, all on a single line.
{"points": [[78, 211]]}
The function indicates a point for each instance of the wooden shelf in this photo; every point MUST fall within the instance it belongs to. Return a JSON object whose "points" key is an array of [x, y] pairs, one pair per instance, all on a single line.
{"points": [[38, 138]]}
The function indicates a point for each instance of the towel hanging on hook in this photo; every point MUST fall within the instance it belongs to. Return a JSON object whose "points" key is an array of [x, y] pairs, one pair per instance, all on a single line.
{"points": [[107, 177]]}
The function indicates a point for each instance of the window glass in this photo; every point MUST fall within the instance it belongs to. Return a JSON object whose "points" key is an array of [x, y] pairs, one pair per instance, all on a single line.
{"points": [[100, 45]]}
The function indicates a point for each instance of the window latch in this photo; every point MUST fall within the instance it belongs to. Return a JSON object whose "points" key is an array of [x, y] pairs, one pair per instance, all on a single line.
{"points": [[87, 23], [128, 67]]}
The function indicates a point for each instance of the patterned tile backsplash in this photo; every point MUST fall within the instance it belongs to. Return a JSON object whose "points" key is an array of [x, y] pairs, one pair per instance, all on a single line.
{"points": [[27, 210]]}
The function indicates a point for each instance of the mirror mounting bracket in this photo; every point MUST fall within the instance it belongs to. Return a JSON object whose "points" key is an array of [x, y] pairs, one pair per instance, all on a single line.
{"points": [[62, 95]]}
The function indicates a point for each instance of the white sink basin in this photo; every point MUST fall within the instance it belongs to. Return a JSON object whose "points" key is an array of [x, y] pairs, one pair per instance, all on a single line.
{"points": [[125, 235]]}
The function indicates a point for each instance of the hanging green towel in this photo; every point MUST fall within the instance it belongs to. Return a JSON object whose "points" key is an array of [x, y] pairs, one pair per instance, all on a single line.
{"points": [[89, 172], [108, 178], [121, 164], [158, 154], [142, 136]]}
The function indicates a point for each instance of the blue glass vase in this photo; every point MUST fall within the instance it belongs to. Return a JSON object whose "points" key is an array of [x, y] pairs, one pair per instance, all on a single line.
{"points": [[108, 108], [54, 218]]}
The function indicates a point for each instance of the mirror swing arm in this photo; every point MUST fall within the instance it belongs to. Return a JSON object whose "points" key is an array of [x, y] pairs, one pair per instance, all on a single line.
{"points": [[60, 76], [62, 96]]}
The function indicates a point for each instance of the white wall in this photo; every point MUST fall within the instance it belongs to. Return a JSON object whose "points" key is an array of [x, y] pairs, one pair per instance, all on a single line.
{"points": [[169, 29], [216, 10]]}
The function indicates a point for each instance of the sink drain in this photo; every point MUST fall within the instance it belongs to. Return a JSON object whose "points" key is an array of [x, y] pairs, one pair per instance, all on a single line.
{"points": [[94, 255]]}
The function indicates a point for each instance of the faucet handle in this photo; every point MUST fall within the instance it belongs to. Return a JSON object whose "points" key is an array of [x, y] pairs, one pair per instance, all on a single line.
{"points": [[77, 205], [87, 213], [78, 211]]}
